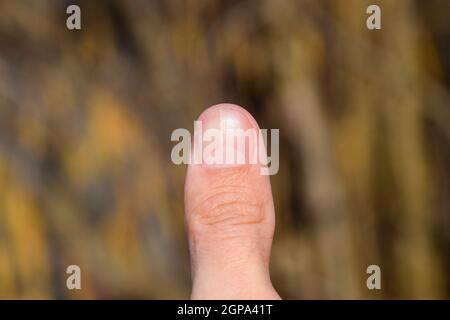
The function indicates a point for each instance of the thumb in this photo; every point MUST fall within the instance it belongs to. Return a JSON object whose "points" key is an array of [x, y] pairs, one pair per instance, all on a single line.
{"points": [[229, 209]]}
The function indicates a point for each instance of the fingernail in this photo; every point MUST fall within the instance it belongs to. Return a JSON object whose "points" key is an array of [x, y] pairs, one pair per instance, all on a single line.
{"points": [[228, 137]]}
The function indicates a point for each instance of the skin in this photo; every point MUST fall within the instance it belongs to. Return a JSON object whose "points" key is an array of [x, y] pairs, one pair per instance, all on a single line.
{"points": [[230, 219]]}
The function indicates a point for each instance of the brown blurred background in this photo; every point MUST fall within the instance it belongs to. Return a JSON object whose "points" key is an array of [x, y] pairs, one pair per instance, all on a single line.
{"points": [[86, 118]]}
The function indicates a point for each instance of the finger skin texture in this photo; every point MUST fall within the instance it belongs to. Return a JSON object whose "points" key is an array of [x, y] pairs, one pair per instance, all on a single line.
{"points": [[230, 221]]}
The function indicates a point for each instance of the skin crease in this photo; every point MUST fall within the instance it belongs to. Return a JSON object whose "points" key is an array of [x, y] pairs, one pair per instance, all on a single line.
{"points": [[230, 220]]}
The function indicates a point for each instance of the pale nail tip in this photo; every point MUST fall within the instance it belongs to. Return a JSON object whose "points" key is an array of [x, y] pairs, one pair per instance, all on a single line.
{"points": [[233, 116]]}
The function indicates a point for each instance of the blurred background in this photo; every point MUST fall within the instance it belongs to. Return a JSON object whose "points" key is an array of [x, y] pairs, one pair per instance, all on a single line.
{"points": [[86, 117]]}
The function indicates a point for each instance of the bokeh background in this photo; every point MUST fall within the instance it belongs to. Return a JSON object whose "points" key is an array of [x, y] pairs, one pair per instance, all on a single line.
{"points": [[86, 118]]}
